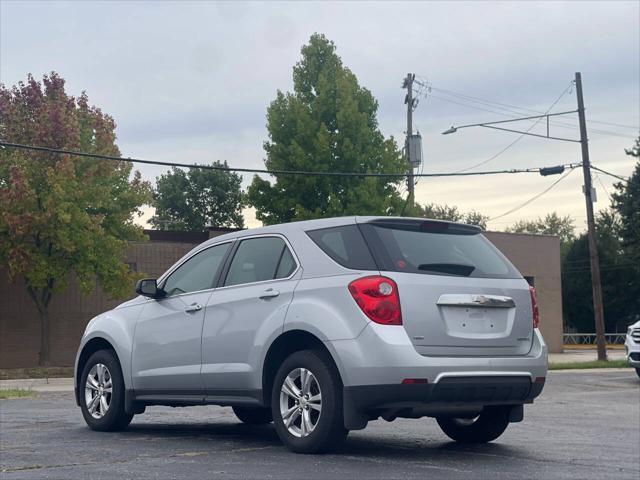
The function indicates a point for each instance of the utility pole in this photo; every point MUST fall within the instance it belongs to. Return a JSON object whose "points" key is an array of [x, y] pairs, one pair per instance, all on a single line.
{"points": [[408, 84], [598, 311]]}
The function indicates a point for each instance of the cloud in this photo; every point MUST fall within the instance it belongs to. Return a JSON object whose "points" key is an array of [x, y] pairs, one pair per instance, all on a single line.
{"points": [[191, 81]]}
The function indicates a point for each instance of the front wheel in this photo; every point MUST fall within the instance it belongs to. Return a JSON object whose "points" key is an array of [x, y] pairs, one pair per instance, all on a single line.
{"points": [[488, 426], [306, 403], [101, 392], [638, 371]]}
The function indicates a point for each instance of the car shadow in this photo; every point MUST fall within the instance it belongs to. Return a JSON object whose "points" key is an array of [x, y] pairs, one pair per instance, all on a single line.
{"points": [[421, 448], [357, 444], [223, 431]]}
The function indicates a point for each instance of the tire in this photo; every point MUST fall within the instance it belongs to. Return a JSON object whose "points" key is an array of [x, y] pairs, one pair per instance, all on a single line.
{"points": [[113, 417], [488, 426], [324, 429], [253, 416], [638, 371]]}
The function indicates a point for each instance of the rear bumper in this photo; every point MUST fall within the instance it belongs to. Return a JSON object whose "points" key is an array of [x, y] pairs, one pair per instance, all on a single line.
{"points": [[448, 394], [384, 355], [374, 365]]}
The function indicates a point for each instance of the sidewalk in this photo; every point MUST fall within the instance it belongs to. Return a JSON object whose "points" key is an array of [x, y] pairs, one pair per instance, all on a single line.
{"points": [[39, 384]]}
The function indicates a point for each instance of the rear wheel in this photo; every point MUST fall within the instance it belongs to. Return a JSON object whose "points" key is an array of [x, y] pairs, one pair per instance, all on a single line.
{"points": [[306, 403], [101, 392], [253, 416], [638, 371], [487, 426]]}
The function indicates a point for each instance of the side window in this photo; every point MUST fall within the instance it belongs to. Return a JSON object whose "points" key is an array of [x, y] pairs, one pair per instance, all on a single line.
{"points": [[287, 264], [259, 259], [197, 273], [345, 246]]}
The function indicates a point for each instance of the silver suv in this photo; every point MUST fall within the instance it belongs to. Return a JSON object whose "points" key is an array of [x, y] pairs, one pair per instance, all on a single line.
{"points": [[322, 326]]}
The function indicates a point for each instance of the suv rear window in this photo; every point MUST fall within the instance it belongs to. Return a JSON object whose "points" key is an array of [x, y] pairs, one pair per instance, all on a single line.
{"points": [[345, 246], [436, 248]]}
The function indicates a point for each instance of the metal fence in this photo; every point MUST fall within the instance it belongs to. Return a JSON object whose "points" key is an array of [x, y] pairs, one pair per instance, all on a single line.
{"points": [[590, 338]]}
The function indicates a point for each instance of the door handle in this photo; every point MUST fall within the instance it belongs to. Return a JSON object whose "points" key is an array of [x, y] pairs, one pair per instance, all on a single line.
{"points": [[269, 293], [194, 307]]}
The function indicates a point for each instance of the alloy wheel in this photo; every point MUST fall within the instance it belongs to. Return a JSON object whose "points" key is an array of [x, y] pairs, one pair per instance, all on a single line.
{"points": [[300, 402], [98, 391]]}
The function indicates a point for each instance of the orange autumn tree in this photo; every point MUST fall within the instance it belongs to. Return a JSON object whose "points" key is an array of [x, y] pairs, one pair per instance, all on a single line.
{"points": [[61, 214]]}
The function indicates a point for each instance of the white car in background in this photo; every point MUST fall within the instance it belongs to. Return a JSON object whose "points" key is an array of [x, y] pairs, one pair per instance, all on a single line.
{"points": [[632, 346]]}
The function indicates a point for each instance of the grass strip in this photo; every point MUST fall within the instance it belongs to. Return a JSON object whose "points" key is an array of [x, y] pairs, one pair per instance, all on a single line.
{"points": [[36, 372], [15, 393], [589, 364]]}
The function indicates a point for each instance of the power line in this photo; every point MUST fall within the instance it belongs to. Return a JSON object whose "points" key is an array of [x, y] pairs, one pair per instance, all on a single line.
{"points": [[554, 123], [602, 184], [604, 266], [564, 92], [518, 109], [462, 98], [614, 124], [472, 106], [535, 197], [266, 171], [624, 179], [624, 256]]}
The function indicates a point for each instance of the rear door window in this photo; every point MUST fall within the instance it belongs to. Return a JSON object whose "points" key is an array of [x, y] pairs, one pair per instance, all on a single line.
{"points": [[345, 245], [260, 259], [438, 248]]}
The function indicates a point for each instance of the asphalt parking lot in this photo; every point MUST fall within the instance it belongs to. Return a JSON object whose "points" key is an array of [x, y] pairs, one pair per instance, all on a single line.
{"points": [[585, 425]]}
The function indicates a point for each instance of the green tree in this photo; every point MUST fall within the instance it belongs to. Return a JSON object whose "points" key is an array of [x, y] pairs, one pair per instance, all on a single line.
{"points": [[626, 202], [198, 198], [551, 224], [451, 213], [616, 272], [60, 214], [328, 124], [618, 235]]}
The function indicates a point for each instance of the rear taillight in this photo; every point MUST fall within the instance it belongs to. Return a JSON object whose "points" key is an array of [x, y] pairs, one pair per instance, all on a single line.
{"points": [[534, 307], [378, 298]]}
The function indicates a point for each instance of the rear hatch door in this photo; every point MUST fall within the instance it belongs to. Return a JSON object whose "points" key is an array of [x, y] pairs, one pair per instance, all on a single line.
{"points": [[458, 294]]}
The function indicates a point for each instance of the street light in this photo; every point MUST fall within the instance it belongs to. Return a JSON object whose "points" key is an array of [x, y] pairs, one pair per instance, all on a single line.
{"points": [[492, 125], [589, 193]]}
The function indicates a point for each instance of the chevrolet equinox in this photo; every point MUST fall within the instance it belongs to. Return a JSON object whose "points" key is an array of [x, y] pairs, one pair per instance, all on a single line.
{"points": [[321, 326]]}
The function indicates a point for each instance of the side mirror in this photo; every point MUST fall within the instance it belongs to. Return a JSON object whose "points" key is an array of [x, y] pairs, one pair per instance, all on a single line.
{"points": [[148, 287]]}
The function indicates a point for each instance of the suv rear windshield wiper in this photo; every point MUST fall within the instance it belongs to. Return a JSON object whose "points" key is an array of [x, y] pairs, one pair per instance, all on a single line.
{"points": [[450, 268]]}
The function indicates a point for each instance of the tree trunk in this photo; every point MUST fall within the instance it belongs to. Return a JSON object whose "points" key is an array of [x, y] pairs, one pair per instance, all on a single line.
{"points": [[45, 359], [41, 297]]}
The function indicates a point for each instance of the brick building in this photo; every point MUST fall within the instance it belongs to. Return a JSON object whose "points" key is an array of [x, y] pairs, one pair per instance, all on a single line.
{"points": [[536, 256]]}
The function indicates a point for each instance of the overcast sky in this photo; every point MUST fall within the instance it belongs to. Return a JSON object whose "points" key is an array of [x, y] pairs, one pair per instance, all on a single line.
{"points": [[191, 81]]}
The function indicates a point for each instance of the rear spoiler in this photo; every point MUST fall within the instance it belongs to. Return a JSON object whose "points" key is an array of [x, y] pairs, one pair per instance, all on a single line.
{"points": [[428, 226]]}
